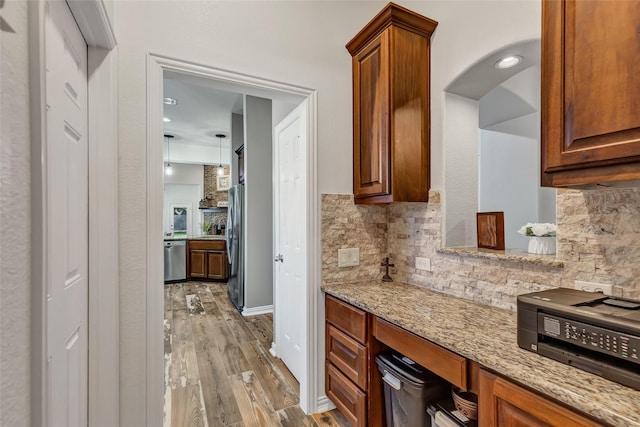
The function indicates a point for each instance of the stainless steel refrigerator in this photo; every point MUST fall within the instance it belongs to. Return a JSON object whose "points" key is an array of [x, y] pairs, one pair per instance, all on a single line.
{"points": [[235, 246]]}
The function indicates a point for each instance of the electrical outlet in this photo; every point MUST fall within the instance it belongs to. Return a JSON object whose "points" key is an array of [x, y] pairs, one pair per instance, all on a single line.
{"points": [[423, 264], [349, 257], [594, 287]]}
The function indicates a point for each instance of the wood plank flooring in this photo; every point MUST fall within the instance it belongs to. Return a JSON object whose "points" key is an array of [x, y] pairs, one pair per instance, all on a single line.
{"points": [[218, 369]]}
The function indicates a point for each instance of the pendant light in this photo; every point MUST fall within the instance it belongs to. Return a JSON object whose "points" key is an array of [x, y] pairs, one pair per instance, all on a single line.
{"points": [[220, 168], [168, 170]]}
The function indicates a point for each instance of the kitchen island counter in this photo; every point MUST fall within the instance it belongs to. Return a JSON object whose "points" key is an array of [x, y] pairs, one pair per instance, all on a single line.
{"points": [[488, 335]]}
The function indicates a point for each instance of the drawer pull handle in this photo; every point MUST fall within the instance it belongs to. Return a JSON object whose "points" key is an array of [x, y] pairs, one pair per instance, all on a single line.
{"points": [[391, 380]]}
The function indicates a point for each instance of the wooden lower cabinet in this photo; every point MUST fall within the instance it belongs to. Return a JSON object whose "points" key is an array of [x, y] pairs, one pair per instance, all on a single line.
{"points": [[504, 404], [350, 400], [207, 259], [217, 265], [197, 264], [352, 380]]}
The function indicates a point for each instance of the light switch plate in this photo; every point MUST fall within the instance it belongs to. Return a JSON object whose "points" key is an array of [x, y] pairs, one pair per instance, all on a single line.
{"points": [[349, 257], [423, 264], [605, 288]]}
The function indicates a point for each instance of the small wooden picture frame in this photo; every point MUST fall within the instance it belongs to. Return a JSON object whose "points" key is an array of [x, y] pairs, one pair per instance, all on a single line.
{"points": [[490, 227], [223, 183]]}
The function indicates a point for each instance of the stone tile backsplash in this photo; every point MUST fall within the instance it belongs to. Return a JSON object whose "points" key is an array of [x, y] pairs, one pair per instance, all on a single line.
{"points": [[599, 237], [598, 240], [347, 225]]}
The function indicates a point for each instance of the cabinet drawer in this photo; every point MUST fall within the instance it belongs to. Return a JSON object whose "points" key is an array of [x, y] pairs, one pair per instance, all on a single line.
{"points": [[349, 399], [347, 318], [438, 360], [347, 355], [207, 245]]}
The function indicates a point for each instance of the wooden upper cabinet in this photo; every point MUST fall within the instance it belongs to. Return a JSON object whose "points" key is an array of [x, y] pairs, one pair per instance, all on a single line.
{"points": [[590, 92], [391, 116]]}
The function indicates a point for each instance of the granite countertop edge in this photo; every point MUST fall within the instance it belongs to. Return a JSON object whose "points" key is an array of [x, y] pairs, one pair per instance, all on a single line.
{"points": [[452, 323], [512, 255]]}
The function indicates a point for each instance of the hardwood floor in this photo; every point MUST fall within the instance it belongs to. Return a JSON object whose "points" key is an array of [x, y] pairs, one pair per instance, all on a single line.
{"points": [[218, 369]]}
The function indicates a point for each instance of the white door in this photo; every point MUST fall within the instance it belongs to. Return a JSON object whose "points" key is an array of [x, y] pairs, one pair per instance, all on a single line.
{"points": [[66, 163], [290, 240]]}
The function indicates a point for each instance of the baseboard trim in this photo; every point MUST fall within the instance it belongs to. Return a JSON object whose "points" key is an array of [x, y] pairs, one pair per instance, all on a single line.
{"points": [[325, 404], [254, 311], [272, 350]]}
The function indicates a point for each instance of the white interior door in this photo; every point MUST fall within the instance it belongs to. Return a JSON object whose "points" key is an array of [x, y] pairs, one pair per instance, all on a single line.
{"points": [[290, 240], [66, 163]]}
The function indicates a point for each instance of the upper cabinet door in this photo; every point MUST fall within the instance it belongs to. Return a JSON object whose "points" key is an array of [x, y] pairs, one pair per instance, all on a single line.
{"points": [[590, 91], [391, 107], [371, 119]]}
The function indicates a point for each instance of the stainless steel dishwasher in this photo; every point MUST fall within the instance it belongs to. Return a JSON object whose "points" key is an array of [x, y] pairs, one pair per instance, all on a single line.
{"points": [[175, 261]]}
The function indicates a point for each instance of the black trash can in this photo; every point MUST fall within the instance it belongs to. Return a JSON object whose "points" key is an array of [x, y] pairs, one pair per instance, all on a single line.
{"points": [[408, 388]]}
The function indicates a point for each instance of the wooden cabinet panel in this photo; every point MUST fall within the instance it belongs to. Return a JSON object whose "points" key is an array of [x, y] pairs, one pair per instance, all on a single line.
{"points": [[438, 360], [348, 398], [371, 111], [346, 317], [217, 265], [505, 404], [391, 116], [590, 92], [197, 263], [347, 355]]}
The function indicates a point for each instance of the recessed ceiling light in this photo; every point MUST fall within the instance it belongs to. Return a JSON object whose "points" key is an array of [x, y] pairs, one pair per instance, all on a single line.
{"points": [[170, 101], [509, 61], [166, 119]]}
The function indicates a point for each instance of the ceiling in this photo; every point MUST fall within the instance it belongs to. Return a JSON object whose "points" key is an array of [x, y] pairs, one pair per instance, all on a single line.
{"points": [[483, 76], [201, 112], [205, 106]]}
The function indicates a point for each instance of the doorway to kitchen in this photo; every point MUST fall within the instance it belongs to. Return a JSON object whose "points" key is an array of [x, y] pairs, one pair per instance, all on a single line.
{"points": [[256, 87]]}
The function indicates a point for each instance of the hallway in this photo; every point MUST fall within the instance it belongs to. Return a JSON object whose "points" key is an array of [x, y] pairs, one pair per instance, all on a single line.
{"points": [[218, 370]]}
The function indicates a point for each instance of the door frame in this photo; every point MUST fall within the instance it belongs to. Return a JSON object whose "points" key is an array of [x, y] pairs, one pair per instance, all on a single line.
{"points": [[103, 322], [156, 65]]}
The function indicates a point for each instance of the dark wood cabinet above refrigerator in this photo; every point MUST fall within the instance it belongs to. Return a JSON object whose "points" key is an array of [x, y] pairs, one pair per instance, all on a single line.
{"points": [[240, 153]]}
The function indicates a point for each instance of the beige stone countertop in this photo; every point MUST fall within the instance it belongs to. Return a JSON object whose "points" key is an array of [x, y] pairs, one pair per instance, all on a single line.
{"points": [[514, 255], [488, 335], [207, 237]]}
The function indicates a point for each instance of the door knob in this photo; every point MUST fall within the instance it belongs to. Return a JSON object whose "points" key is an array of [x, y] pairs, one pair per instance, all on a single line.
{"points": [[278, 258]]}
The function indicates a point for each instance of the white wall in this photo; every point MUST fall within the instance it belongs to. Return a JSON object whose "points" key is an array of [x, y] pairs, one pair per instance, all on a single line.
{"points": [[509, 180], [511, 108], [185, 186], [15, 217], [197, 154], [299, 43], [258, 207], [461, 172], [509, 162], [186, 174]]}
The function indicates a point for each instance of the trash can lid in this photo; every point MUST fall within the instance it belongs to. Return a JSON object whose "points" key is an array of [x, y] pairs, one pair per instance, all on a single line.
{"points": [[406, 368]]}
